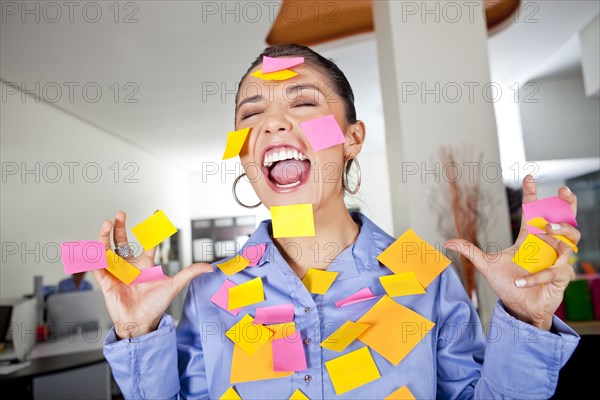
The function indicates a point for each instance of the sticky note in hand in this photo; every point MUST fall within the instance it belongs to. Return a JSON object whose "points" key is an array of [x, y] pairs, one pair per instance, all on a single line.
{"points": [[154, 230], [534, 254], [120, 268], [82, 256], [553, 209]]}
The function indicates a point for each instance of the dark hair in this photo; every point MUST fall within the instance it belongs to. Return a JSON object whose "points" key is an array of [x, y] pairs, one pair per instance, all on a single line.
{"points": [[338, 81]]}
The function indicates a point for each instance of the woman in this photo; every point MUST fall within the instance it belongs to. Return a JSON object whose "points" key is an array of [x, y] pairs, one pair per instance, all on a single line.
{"points": [[152, 359]]}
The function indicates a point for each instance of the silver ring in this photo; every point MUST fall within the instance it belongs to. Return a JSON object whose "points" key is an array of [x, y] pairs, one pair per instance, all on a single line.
{"points": [[124, 251]]}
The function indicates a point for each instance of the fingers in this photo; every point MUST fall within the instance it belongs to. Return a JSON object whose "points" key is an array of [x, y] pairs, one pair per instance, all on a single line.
{"points": [[469, 250], [566, 230], [120, 232], [104, 233], [184, 276], [560, 274], [529, 189], [568, 196]]}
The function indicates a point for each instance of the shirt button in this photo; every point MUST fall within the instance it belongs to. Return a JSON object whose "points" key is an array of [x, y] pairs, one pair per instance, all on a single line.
{"points": [[306, 309], [306, 342], [307, 378]]}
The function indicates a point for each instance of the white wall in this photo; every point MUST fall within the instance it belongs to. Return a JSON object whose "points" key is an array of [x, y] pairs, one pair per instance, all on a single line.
{"points": [[37, 216], [590, 56]]}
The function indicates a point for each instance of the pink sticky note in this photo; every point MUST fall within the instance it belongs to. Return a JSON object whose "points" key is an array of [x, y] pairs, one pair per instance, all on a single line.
{"points": [[288, 354], [221, 297], [323, 132], [275, 314], [82, 256], [149, 274], [552, 209], [254, 253], [271, 64], [361, 295]]}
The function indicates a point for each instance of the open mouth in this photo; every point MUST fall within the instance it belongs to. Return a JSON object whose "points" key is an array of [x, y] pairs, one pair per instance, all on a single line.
{"points": [[286, 168]]}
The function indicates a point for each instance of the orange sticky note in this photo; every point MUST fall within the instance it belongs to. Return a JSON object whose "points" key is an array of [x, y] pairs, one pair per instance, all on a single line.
{"points": [[401, 394], [250, 337], [411, 253], [534, 254], [154, 230], [234, 265], [352, 370], [247, 293], [298, 395], [230, 394], [394, 329], [120, 268], [402, 284], [318, 281], [295, 220], [253, 367], [275, 76], [342, 338], [235, 142], [283, 330]]}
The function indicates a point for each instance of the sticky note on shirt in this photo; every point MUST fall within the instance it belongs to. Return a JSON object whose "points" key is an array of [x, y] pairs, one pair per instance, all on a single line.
{"points": [[233, 265], [82, 256], [393, 338], [258, 366], [230, 394], [120, 268], [552, 209], [154, 230], [352, 370], [250, 337], [221, 297], [247, 293], [298, 395], [275, 76], [149, 275], [235, 142], [411, 253], [534, 254], [295, 220], [273, 64], [274, 314], [318, 281], [283, 330], [361, 295], [323, 132], [288, 354], [401, 394], [345, 335], [402, 284], [254, 253]]}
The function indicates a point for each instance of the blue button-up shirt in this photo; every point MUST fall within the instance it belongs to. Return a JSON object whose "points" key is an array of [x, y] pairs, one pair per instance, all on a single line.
{"points": [[194, 359]]}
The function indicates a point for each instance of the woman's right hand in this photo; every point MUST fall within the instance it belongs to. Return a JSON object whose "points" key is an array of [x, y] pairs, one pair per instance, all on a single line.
{"points": [[138, 309]]}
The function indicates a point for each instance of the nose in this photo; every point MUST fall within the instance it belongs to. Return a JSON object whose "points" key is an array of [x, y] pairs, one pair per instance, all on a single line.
{"points": [[277, 122]]}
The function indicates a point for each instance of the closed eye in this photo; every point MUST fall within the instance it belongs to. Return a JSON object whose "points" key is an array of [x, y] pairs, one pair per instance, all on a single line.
{"points": [[307, 104], [249, 114]]}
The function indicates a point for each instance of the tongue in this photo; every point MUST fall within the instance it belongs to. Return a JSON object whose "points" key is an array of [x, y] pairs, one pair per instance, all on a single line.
{"points": [[289, 171]]}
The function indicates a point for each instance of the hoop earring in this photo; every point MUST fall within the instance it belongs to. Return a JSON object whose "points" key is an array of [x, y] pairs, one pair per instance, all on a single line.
{"points": [[345, 179], [235, 194]]}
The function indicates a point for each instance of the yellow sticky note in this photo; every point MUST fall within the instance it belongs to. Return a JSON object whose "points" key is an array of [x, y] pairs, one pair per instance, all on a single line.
{"points": [[230, 394], [250, 337], [247, 293], [154, 230], [234, 265], [318, 281], [534, 254], [295, 220], [540, 223], [342, 338], [275, 76], [121, 268], [566, 241], [402, 284], [352, 370], [235, 142], [394, 329], [401, 394], [411, 253], [283, 330], [298, 395], [253, 367]]}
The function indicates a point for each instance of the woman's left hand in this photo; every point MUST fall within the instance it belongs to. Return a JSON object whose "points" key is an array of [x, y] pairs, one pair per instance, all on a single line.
{"points": [[532, 298]]}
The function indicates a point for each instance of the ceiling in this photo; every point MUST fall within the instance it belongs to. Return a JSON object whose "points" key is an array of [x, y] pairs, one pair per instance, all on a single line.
{"points": [[182, 60]]}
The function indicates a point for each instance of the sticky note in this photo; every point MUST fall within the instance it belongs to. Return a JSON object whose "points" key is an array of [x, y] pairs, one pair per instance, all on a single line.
{"points": [[393, 338], [82, 256], [323, 132], [361, 295], [402, 284], [288, 354], [401, 394], [149, 274], [230, 394], [272, 64], [538, 225], [411, 253], [120, 268], [283, 330], [247, 293], [274, 314], [298, 395], [221, 297], [258, 366], [345, 335], [352, 370], [250, 337], [295, 220], [534, 254], [275, 76], [254, 253], [233, 265], [154, 230], [235, 142], [552, 209], [318, 281]]}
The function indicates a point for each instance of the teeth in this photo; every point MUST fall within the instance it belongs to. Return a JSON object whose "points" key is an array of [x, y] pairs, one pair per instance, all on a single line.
{"points": [[295, 154], [288, 185], [282, 154]]}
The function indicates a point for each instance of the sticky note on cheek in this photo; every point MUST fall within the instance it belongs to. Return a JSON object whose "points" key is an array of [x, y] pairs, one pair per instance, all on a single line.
{"points": [[323, 132], [293, 221], [154, 230], [235, 142], [534, 254], [120, 268], [82, 256]]}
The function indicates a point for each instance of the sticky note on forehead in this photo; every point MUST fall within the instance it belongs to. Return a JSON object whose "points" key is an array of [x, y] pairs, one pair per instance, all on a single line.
{"points": [[154, 230], [272, 64], [274, 76], [235, 142], [295, 220], [552, 209], [323, 132], [534, 254]]}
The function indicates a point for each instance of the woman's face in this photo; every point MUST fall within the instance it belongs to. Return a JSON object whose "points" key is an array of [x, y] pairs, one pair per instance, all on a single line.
{"points": [[277, 156]]}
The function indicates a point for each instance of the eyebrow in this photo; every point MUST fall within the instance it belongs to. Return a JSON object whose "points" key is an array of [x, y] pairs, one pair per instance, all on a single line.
{"points": [[252, 99], [301, 86]]}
